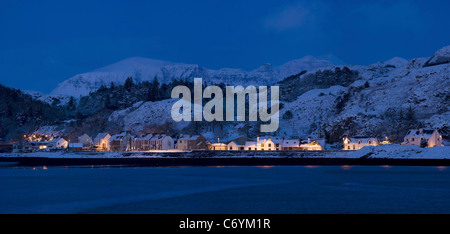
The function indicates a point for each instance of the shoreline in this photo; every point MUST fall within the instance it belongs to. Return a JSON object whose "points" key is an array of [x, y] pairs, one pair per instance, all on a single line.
{"points": [[224, 161], [380, 155]]}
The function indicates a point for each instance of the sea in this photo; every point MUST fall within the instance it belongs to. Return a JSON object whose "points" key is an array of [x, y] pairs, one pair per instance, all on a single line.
{"points": [[224, 190]]}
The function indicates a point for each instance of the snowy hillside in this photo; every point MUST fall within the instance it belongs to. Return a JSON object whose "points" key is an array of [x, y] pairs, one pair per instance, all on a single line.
{"points": [[440, 57], [327, 101], [142, 69], [369, 106], [143, 115]]}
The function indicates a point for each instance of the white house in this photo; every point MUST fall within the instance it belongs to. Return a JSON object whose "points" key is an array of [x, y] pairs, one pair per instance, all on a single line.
{"points": [[356, 143], [250, 145], [290, 144], [191, 142], [121, 142], [265, 143], [101, 141], [297, 144], [86, 140], [232, 145], [313, 145], [57, 143], [278, 141], [238, 143], [419, 137], [142, 143], [162, 142], [260, 144], [218, 146]]}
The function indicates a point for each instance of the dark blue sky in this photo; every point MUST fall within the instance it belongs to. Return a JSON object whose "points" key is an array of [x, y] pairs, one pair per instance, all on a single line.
{"points": [[43, 43]]}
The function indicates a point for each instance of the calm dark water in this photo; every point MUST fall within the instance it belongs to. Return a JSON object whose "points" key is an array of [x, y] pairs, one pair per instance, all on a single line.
{"points": [[278, 190]]}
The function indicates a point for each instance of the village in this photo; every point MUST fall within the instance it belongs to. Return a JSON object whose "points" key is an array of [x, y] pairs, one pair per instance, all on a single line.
{"points": [[126, 142]]}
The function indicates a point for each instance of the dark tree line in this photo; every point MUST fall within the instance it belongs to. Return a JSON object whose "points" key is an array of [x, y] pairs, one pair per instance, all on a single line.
{"points": [[296, 85], [20, 113]]}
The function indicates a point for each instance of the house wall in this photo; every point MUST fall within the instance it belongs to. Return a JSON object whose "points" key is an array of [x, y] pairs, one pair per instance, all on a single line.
{"points": [[182, 145], [251, 146], [357, 146], [192, 144], [434, 140], [168, 143], [267, 145], [219, 147], [85, 140], [233, 146], [103, 144]]}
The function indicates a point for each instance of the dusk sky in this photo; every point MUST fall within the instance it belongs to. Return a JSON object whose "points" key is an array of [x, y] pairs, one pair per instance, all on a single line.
{"points": [[43, 43]]}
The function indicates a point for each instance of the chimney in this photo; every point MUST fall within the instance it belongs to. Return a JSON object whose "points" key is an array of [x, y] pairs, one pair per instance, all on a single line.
{"points": [[309, 140], [257, 139], [181, 135], [421, 130]]}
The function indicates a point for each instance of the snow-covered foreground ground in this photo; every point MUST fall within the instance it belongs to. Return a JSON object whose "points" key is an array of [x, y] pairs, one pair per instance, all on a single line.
{"points": [[404, 151], [385, 151], [324, 189]]}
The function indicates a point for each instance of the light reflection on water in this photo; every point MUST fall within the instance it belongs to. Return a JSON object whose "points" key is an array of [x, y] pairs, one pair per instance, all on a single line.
{"points": [[346, 167], [441, 168]]}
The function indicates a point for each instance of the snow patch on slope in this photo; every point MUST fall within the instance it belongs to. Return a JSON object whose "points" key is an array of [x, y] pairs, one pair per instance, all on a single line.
{"points": [[440, 57]]}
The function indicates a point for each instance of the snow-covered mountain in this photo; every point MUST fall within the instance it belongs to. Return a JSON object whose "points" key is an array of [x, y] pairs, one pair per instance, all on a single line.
{"points": [[376, 103], [142, 69], [373, 105], [397, 62]]}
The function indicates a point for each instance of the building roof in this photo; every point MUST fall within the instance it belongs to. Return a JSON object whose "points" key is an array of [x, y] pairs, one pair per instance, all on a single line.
{"points": [[146, 137], [250, 144], [362, 139], [83, 136], [189, 137], [277, 140], [240, 140], [218, 144], [56, 140], [263, 140], [118, 137], [101, 136], [290, 143], [426, 133], [161, 136], [75, 145]]}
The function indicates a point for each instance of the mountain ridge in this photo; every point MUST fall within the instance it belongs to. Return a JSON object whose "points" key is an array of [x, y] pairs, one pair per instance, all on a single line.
{"points": [[145, 69]]}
